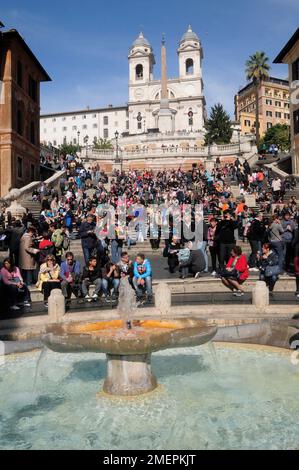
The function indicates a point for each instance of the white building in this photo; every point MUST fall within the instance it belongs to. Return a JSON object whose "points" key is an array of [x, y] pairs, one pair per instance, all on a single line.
{"points": [[141, 115]]}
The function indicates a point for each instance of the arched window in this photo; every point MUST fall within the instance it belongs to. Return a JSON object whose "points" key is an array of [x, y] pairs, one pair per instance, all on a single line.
{"points": [[189, 66], [139, 72]]}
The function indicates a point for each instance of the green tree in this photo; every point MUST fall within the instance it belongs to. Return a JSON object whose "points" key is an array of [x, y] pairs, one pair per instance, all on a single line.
{"points": [[257, 68], [69, 149], [218, 126], [102, 144], [278, 135]]}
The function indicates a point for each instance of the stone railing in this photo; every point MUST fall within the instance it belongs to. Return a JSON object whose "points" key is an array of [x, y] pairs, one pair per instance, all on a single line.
{"points": [[18, 195], [246, 149]]}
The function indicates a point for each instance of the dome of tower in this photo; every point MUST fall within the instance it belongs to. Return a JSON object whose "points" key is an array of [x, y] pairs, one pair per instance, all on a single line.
{"points": [[189, 36], [141, 41]]}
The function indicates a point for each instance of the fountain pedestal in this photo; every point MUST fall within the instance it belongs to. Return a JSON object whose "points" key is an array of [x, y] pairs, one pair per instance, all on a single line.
{"points": [[129, 375]]}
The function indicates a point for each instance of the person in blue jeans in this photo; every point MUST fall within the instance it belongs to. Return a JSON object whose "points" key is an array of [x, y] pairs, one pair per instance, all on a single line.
{"points": [[110, 280], [142, 279]]}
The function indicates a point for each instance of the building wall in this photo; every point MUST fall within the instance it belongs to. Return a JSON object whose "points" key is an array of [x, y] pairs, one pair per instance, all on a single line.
{"points": [[273, 98], [19, 144], [63, 127], [292, 56]]}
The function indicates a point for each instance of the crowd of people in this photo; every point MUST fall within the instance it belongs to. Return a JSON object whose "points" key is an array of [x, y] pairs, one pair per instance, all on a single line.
{"points": [[39, 248]]}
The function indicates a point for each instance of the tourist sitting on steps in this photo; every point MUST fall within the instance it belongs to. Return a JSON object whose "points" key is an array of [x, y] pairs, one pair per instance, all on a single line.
{"points": [[142, 279], [236, 272], [14, 289], [270, 269], [110, 280], [196, 262], [48, 277], [91, 275], [70, 274]]}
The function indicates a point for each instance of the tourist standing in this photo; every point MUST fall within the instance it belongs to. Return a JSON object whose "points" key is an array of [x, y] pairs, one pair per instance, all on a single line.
{"points": [[28, 254], [225, 236]]}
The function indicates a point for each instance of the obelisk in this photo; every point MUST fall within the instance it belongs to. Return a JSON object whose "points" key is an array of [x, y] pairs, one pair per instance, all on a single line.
{"points": [[165, 115]]}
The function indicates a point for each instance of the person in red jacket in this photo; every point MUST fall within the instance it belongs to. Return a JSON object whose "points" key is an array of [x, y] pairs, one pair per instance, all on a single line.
{"points": [[236, 272]]}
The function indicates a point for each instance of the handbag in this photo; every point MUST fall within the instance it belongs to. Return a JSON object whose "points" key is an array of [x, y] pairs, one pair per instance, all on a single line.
{"points": [[229, 274], [272, 271]]}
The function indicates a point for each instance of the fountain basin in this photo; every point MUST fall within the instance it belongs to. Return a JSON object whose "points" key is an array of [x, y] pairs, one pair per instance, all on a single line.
{"points": [[128, 352]]}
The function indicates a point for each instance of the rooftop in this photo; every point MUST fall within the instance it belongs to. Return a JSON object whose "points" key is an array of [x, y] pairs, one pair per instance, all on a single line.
{"points": [[14, 34], [279, 59], [84, 111], [274, 80]]}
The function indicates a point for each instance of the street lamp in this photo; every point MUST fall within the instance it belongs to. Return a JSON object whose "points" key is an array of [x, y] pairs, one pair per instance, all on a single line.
{"points": [[239, 141], [78, 134], [86, 138], [117, 159]]}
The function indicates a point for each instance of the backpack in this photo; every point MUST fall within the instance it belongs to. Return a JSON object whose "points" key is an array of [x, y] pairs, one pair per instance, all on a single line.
{"points": [[66, 243]]}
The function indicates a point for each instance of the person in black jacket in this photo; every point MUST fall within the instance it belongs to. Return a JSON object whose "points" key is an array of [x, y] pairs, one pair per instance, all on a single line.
{"points": [[92, 274], [88, 237], [14, 236], [256, 236], [225, 237], [196, 262]]}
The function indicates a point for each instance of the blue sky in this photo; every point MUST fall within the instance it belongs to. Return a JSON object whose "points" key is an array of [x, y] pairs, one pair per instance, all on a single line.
{"points": [[84, 44]]}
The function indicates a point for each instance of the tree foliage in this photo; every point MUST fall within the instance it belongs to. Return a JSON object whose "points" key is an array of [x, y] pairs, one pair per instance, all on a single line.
{"points": [[102, 144], [69, 149], [218, 126], [278, 135]]}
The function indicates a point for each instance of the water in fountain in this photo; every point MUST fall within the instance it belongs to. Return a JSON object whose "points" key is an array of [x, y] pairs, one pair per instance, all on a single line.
{"points": [[39, 365], [126, 302]]}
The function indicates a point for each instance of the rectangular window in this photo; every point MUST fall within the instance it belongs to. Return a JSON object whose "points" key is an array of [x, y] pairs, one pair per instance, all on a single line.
{"points": [[74, 118], [127, 113], [247, 123], [278, 104], [127, 125], [278, 115], [32, 133], [296, 121], [74, 128], [106, 133], [54, 142], [53, 119], [84, 127], [84, 117], [64, 118], [20, 122], [286, 116], [269, 125], [20, 73], [20, 167], [94, 126], [105, 121], [269, 102], [139, 125], [64, 129], [94, 116], [295, 70], [32, 88], [287, 105], [74, 141], [269, 113]]}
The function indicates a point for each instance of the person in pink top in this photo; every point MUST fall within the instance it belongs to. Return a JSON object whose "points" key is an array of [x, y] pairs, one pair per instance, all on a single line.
{"points": [[14, 285]]}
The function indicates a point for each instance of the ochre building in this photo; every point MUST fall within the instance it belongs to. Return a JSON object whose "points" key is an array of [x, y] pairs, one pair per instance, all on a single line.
{"points": [[20, 77]]}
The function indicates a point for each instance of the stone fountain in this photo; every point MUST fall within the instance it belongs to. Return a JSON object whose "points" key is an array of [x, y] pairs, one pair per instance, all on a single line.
{"points": [[128, 343]]}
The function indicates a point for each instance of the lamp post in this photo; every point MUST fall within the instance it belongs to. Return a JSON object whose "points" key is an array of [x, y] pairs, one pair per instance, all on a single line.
{"points": [[239, 141], [86, 138], [78, 134], [117, 159]]}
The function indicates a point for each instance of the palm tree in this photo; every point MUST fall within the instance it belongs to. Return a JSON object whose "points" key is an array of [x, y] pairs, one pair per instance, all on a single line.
{"points": [[257, 68]]}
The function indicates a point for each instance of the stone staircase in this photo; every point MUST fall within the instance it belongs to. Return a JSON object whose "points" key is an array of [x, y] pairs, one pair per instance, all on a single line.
{"points": [[33, 206]]}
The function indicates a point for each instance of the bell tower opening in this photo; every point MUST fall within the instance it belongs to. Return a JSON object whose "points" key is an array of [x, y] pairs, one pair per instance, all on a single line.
{"points": [[139, 72], [189, 67]]}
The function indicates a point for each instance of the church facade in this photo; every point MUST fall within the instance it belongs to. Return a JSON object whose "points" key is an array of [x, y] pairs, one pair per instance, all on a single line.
{"points": [[165, 106]]}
